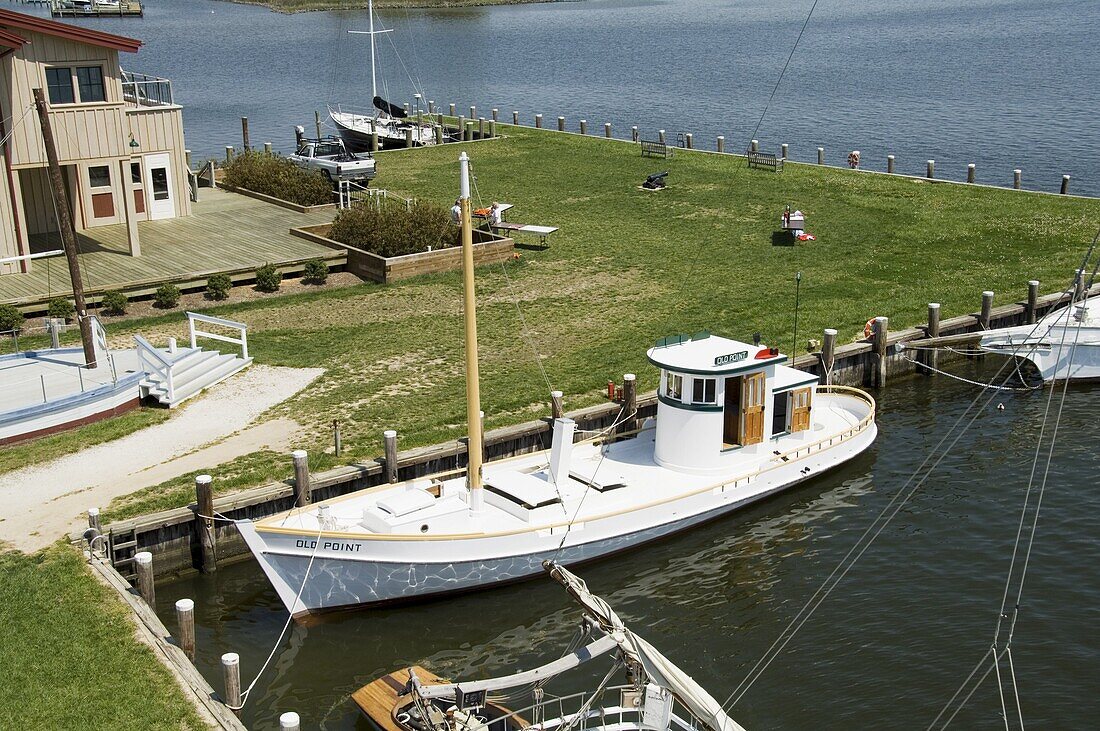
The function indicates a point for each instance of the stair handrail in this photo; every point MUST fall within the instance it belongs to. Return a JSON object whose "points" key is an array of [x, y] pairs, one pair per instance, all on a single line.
{"points": [[193, 317], [152, 361]]}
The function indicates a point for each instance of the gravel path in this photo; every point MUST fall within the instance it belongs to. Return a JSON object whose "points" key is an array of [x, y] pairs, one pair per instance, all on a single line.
{"points": [[43, 502]]}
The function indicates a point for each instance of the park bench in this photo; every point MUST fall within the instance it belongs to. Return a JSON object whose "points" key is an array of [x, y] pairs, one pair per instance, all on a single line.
{"points": [[764, 160], [651, 148]]}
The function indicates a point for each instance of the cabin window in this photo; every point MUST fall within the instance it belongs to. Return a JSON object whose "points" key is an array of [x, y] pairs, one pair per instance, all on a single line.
{"points": [[703, 390], [99, 176], [135, 173], [89, 80], [674, 386], [59, 81], [779, 413]]}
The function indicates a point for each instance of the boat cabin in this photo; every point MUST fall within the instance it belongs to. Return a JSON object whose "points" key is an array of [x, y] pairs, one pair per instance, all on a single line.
{"points": [[719, 396]]}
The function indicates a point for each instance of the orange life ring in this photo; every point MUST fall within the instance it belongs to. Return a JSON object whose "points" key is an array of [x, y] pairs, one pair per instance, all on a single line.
{"points": [[869, 328]]}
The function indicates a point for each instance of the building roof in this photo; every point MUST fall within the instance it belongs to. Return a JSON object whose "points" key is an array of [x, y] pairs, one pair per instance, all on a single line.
{"points": [[706, 354], [22, 21], [10, 41]]}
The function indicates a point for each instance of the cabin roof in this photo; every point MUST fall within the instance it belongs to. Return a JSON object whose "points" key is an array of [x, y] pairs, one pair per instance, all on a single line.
{"points": [[22, 21], [706, 354]]}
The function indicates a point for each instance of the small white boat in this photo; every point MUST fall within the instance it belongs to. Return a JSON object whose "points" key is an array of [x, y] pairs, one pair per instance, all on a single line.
{"points": [[658, 696], [1065, 344], [734, 425]]}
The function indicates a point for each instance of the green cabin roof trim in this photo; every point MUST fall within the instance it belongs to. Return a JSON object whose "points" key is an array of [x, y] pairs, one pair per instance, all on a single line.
{"points": [[670, 340]]}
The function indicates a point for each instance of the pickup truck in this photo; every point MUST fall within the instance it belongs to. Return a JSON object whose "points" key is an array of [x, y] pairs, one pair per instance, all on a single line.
{"points": [[332, 159]]}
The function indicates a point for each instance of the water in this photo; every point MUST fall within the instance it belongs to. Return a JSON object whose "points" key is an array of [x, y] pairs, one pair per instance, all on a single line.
{"points": [[885, 651], [1001, 83]]}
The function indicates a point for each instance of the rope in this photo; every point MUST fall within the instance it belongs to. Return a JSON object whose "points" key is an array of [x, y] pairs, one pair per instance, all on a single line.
{"points": [[967, 380]]}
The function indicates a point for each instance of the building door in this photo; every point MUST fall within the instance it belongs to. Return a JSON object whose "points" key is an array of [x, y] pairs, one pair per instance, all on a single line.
{"points": [[158, 191], [731, 430], [800, 409], [752, 408]]}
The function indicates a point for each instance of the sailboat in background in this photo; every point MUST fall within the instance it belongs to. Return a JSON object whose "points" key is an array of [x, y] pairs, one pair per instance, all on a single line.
{"points": [[390, 122]]}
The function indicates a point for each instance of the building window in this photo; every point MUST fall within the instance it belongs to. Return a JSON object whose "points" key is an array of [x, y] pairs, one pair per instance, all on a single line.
{"points": [[703, 390], [160, 184], [60, 84], [99, 176], [674, 386], [135, 173], [89, 80]]}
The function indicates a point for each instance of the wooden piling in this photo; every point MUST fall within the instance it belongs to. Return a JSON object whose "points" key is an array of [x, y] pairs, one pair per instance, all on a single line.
{"points": [[185, 620], [538, 121], [408, 137], [584, 126], [481, 128], [143, 565], [987, 309], [890, 164], [431, 106], [557, 410], [496, 114], [204, 524], [828, 350], [473, 112], [317, 122], [607, 130], [930, 356], [450, 110], [661, 136], [1017, 178], [630, 402], [289, 721], [970, 170], [492, 128], [231, 672], [515, 118], [187, 158], [228, 154], [721, 144], [389, 439], [561, 124], [93, 520], [821, 156], [1078, 285], [469, 131], [267, 148], [931, 172], [633, 134], [245, 142], [439, 134], [1032, 301], [689, 141], [462, 128], [878, 347], [337, 441], [785, 149], [1065, 185], [302, 494], [754, 145]]}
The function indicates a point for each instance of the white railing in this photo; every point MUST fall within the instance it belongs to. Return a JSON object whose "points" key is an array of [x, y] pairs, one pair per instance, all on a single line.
{"points": [[193, 317], [349, 192], [146, 91], [100, 336], [153, 362]]}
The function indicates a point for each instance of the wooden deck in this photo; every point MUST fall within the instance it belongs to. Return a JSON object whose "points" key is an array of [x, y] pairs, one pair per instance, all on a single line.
{"points": [[379, 698], [228, 233]]}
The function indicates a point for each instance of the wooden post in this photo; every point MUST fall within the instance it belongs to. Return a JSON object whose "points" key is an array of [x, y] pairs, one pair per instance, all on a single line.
{"points": [[630, 402], [828, 350], [389, 438], [970, 170], [878, 346], [556, 408], [930, 357], [450, 110], [65, 225], [473, 112], [374, 140], [93, 520], [204, 524], [515, 118], [337, 442], [267, 148], [1079, 285], [538, 121], [245, 142], [289, 721], [317, 122], [1032, 301], [228, 154], [785, 148], [607, 130], [439, 134], [481, 128], [470, 130], [561, 124], [754, 145], [302, 494], [187, 158], [633, 134], [931, 169], [185, 619], [661, 136], [584, 126], [821, 156], [231, 671], [143, 565], [1065, 185], [689, 142], [890, 164], [462, 128], [496, 114], [492, 128], [431, 106], [408, 137], [1017, 178], [987, 309], [721, 144]]}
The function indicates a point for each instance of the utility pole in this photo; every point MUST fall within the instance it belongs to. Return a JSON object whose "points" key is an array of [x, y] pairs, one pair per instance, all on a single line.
{"points": [[65, 224]]}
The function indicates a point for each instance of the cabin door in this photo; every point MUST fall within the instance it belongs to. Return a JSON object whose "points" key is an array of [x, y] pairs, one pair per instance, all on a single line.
{"points": [[158, 187], [731, 429], [800, 409], [752, 408]]}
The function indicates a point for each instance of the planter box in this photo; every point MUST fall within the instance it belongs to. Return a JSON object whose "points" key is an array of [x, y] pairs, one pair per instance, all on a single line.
{"points": [[277, 201], [488, 249]]}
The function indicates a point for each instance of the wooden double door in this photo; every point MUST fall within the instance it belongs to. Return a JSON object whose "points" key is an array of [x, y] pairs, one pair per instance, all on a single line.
{"points": [[744, 410]]}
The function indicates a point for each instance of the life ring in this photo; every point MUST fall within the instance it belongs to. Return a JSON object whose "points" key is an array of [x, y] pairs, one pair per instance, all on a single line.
{"points": [[869, 328], [853, 159]]}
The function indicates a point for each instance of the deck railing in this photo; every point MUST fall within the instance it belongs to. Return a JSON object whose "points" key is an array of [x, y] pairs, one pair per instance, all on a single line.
{"points": [[152, 361], [193, 317], [146, 91]]}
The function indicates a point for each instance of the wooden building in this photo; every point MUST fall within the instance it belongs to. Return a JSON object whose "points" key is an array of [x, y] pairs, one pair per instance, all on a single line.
{"points": [[119, 135]]}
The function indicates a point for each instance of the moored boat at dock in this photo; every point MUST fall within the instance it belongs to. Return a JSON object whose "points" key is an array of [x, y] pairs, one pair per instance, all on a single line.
{"points": [[1065, 344]]}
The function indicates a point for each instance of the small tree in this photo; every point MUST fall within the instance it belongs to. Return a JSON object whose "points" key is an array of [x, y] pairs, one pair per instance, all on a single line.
{"points": [[218, 286], [61, 308], [268, 278], [114, 302], [166, 297], [316, 271], [10, 318]]}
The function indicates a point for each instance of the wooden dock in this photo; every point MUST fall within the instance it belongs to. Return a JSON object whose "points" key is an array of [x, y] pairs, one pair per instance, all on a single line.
{"points": [[93, 9], [227, 233]]}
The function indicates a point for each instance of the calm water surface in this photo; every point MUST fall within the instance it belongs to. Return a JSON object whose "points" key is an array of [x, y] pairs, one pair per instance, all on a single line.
{"points": [[1000, 83], [886, 650]]}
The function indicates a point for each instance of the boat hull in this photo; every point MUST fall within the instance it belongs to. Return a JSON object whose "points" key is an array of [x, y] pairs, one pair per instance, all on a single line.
{"points": [[1058, 354]]}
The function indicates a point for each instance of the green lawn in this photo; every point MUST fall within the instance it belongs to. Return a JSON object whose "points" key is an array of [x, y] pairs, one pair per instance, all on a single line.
{"points": [[69, 657]]}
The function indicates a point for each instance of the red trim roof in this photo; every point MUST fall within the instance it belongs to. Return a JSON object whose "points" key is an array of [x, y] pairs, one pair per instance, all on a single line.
{"points": [[11, 40], [48, 27]]}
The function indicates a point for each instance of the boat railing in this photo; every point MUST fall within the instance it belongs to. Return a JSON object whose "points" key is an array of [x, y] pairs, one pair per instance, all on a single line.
{"points": [[554, 712], [146, 91], [837, 438]]}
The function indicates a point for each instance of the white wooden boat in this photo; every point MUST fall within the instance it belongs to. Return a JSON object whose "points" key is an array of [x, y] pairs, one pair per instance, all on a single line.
{"points": [[658, 695], [734, 425], [1065, 344]]}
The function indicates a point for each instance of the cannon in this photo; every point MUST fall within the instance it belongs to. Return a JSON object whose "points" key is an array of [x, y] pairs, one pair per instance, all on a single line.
{"points": [[656, 181]]}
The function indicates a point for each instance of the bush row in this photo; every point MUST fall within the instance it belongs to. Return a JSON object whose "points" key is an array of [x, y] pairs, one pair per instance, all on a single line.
{"points": [[276, 176], [394, 231]]}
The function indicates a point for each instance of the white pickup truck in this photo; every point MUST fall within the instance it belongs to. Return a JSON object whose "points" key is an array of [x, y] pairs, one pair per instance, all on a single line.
{"points": [[332, 159]]}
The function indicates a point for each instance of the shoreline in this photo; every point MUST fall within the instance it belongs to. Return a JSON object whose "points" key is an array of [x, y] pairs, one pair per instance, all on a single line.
{"points": [[291, 7]]}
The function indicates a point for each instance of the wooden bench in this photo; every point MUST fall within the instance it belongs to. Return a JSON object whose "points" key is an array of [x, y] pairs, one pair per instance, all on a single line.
{"points": [[764, 160], [651, 148]]}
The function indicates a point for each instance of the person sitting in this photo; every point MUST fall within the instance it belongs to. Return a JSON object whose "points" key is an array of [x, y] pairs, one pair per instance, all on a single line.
{"points": [[496, 215]]}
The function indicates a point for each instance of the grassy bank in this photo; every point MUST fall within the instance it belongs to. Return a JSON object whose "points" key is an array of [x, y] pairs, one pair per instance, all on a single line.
{"points": [[70, 659], [627, 267]]}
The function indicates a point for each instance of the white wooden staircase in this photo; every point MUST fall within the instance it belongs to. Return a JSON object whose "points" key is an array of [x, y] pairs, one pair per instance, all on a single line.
{"points": [[174, 375]]}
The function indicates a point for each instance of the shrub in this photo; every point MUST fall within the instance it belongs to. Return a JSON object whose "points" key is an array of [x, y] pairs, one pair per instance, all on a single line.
{"points": [[218, 286], [268, 278], [61, 307], [166, 297], [316, 271], [114, 302], [276, 176], [394, 231], [10, 318]]}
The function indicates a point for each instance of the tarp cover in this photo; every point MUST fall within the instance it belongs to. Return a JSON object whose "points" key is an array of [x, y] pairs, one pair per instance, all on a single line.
{"points": [[658, 668], [391, 109]]}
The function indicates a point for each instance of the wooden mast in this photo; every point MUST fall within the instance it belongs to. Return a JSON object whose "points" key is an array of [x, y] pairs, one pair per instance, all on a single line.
{"points": [[473, 388], [65, 224]]}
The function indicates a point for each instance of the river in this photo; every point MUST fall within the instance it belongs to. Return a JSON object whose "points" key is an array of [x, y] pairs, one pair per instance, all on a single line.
{"points": [[886, 650], [1003, 84]]}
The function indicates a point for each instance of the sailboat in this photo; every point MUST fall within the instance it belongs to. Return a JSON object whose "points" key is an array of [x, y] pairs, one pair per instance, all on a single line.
{"points": [[658, 696], [390, 122], [734, 425]]}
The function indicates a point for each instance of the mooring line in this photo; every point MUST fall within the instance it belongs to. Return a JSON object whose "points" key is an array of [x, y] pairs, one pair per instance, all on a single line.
{"points": [[967, 380]]}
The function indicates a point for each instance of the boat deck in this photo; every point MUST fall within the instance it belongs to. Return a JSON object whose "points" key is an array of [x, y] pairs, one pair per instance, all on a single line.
{"points": [[49, 375], [378, 698]]}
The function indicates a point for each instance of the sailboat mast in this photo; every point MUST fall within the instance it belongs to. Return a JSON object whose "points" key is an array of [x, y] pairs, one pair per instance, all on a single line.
{"points": [[473, 389], [373, 81]]}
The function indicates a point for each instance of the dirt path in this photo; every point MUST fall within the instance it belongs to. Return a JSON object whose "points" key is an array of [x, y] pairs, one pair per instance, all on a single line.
{"points": [[44, 502]]}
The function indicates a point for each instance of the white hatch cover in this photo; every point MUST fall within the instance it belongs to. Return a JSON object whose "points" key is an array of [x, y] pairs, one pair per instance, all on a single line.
{"points": [[406, 502], [527, 490]]}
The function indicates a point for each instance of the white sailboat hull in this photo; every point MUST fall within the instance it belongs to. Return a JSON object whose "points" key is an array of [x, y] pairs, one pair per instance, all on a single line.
{"points": [[1060, 346]]}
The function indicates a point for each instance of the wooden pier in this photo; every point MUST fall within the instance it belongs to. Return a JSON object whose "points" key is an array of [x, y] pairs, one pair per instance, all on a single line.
{"points": [[94, 9]]}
